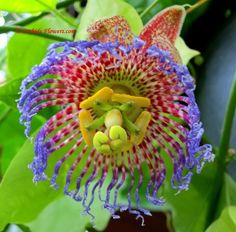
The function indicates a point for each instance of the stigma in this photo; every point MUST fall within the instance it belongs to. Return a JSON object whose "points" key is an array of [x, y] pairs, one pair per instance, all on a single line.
{"points": [[113, 122]]}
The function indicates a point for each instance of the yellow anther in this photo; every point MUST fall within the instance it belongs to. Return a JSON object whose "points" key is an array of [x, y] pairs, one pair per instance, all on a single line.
{"points": [[104, 94], [123, 98], [141, 123], [85, 119]]}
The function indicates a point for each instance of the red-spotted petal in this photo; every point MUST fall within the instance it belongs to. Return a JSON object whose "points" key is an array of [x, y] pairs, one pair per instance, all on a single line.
{"points": [[167, 23], [163, 30], [111, 30]]}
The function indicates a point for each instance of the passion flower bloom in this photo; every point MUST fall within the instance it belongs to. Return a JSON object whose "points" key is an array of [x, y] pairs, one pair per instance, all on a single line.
{"points": [[123, 101]]}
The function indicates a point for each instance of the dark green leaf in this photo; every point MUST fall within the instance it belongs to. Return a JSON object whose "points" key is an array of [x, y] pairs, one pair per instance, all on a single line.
{"points": [[141, 5], [189, 209], [228, 194], [216, 80]]}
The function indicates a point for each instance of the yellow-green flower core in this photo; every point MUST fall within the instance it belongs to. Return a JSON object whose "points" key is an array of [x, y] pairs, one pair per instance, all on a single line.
{"points": [[113, 122]]}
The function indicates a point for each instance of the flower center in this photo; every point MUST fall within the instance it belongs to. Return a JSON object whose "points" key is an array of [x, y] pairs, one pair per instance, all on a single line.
{"points": [[114, 122]]}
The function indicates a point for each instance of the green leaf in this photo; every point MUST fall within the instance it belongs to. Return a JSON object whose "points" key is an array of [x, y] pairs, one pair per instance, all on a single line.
{"points": [[24, 51], [20, 199], [26, 6], [185, 52], [226, 222], [9, 92], [66, 213], [98, 9], [9, 123], [198, 197], [190, 208], [228, 194], [9, 147]]}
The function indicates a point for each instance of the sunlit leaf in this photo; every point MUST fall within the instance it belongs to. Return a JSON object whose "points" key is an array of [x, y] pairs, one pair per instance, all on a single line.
{"points": [[20, 199], [66, 213], [9, 124], [97, 9], [24, 51], [9, 92], [185, 52], [228, 194], [226, 222], [26, 5]]}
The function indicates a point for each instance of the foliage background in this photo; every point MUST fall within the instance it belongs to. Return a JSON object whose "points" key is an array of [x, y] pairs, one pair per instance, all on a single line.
{"points": [[209, 205]]}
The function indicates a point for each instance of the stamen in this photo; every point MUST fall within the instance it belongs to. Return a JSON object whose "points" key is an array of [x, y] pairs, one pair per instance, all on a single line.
{"points": [[85, 119], [141, 123], [124, 98], [111, 128], [102, 95]]}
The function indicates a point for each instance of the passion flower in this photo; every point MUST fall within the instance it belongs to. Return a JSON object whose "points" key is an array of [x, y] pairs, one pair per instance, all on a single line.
{"points": [[122, 99]]}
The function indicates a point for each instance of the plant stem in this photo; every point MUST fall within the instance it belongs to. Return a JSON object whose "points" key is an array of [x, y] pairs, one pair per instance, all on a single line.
{"points": [[227, 124], [6, 228], [23, 30], [190, 9], [152, 5], [223, 150], [195, 6], [65, 3], [57, 13], [23, 228], [31, 19], [16, 26]]}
